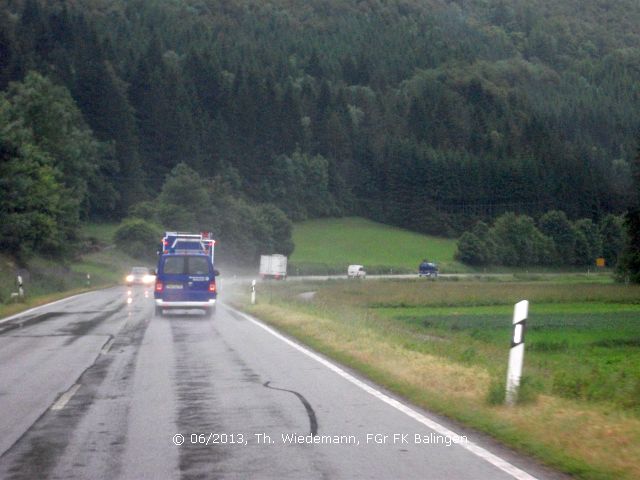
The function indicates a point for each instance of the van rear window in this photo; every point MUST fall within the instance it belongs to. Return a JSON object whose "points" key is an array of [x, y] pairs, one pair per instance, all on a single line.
{"points": [[197, 266], [186, 265], [174, 265]]}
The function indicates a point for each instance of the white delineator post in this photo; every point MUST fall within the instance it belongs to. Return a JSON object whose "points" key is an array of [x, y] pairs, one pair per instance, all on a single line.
{"points": [[516, 354], [20, 288], [253, 292]]}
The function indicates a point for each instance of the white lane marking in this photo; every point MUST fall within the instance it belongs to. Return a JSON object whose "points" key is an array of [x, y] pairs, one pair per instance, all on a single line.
{"points": [[65, 397], [494, 460], [17, 315], [107, 346]]}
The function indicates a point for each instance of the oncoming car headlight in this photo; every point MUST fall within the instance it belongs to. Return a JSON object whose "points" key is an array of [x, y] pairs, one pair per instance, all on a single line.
{"points": [[129, 278], [148, 279]]}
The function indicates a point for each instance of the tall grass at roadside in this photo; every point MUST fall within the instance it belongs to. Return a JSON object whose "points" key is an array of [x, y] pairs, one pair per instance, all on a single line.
{"points": [[48, 279], [103, 232], [578, 407], [582, 340]]}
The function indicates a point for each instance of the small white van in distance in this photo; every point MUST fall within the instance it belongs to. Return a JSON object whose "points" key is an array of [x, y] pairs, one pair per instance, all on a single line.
{"points": [[356, 271]]}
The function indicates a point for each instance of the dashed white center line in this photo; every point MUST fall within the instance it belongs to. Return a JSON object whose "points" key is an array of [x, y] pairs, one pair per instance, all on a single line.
{"points": [[65, 397], [107, 346]]}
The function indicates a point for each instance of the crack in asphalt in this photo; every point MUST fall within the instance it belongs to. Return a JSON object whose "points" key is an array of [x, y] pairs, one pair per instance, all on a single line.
{"points": [[313, 421], [73, 330], [30, 320], [83, 327]]}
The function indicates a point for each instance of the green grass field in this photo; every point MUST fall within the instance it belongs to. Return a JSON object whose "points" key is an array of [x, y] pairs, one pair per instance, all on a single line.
{"points": [[588, 353], [336, 243], [583, 340], [103, 232]]}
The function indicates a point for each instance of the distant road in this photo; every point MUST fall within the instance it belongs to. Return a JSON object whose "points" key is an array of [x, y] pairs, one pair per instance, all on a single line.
{"points": [[404, 276], [245, 277], [96, 387]]}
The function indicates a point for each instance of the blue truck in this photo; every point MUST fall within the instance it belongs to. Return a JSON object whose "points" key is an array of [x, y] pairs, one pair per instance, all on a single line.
{"points": [[185, 276]]}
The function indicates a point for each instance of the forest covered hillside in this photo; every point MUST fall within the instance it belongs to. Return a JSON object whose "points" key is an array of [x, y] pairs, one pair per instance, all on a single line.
{"points": [[428, 115]]}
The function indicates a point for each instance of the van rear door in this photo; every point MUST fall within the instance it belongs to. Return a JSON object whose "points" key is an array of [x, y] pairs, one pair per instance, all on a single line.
{"points": [[172, 275], [187, 278], [198, 277]]}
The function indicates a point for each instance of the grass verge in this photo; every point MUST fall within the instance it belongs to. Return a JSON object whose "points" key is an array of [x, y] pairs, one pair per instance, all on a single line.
{"points": [[9, 309], [455, 362], [47, 280]]}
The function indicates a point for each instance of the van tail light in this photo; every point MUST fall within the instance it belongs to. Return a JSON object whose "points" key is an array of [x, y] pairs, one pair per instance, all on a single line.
{"points": [[159, 286], [212, 287]]}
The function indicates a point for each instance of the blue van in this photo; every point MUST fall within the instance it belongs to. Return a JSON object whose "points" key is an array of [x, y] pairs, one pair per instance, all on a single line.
{"points": [[428, 269], [186, 280]]}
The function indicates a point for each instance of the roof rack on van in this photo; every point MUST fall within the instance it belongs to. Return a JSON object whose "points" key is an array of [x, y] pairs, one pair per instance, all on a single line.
{"points": [[195, 242]]}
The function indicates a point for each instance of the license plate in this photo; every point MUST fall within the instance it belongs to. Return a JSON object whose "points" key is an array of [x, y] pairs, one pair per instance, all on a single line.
{"points": [[174, 286]]}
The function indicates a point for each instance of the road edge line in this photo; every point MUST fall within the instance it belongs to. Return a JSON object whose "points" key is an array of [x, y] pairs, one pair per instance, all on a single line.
{"points": [[472, 447]]}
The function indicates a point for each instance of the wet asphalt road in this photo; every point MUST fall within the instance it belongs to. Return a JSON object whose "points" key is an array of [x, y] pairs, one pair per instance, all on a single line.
{"points": [[96, 387]]}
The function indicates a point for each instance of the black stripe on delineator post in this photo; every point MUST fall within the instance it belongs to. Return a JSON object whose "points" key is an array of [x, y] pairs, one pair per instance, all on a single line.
{"points": [[516, 353], [519, 329]]}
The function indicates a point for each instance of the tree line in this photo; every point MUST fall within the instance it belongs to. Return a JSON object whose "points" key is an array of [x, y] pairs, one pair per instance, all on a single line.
{"points": [[426, 115], [188, 202], [53, 172], [520, 241], [51, 169]]}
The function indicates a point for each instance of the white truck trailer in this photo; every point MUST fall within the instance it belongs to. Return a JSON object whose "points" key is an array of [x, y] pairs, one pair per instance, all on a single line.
{"points": [[273, 266]]}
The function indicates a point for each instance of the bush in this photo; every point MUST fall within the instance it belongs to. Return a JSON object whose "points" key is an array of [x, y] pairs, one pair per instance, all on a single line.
{"points": [[593, 238], [556, 225], [138, 238], [582, 250], [278, 230], [184, 204], [628, 267], [471, 250], [519, 242], [516, 241], [613, 236], [145, 210]]}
